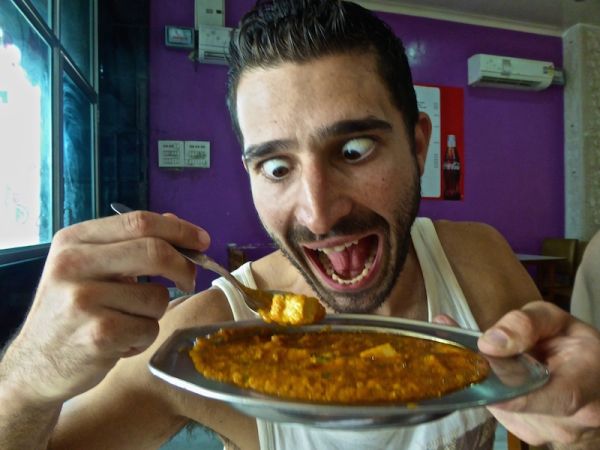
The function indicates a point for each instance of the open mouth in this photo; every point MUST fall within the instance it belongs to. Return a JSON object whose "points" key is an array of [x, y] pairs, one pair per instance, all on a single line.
{"points": [[348, 265]]}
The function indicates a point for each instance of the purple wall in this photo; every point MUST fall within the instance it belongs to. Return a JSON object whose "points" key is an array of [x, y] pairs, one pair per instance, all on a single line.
{"points": [[513, 140]]}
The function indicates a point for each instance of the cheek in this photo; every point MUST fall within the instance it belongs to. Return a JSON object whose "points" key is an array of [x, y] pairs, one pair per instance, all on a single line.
{"points": [[269, 208], [387, 185], [376, 188]]}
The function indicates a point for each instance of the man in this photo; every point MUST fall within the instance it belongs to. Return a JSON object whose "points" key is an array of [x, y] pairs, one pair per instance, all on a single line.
{"points": [[585, 303], [321, 97]]}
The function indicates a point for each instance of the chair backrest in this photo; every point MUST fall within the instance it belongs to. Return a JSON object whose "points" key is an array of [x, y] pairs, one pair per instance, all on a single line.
{"points": [[239, 254], [566, 248]]}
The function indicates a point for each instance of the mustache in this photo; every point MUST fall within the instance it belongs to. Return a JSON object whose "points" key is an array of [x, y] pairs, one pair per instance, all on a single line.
{"points": [[355, 223]]}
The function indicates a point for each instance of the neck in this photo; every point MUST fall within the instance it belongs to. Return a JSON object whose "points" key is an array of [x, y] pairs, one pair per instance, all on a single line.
{"points": [[408, 298]]}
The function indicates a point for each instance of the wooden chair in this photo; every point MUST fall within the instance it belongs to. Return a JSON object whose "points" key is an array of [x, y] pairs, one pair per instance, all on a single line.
{"points": [[514, 443], [239, 254], [560, 284]]}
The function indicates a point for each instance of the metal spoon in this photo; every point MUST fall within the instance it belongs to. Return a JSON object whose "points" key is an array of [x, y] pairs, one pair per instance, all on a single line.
{"points": [[255, 299]]}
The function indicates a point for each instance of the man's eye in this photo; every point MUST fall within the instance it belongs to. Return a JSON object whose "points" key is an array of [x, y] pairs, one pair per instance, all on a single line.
{"points": [[357, 149], [276, 168]]}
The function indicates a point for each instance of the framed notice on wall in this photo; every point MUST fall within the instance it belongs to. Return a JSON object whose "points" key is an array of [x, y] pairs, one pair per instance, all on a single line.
{"points": [[443, 177]]}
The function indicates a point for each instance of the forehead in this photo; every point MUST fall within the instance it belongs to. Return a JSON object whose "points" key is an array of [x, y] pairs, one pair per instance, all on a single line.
{"points": [[292, 100]]}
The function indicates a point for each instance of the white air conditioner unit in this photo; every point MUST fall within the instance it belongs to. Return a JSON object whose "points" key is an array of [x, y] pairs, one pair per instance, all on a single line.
{"points": [[213, 44], [510, 73]]}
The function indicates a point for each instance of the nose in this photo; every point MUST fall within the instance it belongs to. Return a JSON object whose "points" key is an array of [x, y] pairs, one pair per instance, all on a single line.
{"points": [[323, 198]]}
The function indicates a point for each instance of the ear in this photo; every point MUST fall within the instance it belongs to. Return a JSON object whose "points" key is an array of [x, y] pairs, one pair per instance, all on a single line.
{"points": [[422, 136], [244, 163]]}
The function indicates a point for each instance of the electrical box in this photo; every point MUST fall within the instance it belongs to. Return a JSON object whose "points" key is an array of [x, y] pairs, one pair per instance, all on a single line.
{"points": [[213, 44], [179, 37], [209, 12]]}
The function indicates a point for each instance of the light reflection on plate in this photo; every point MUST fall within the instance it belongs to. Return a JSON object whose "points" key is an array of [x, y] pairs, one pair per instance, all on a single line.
{"points": [[509, 377]]}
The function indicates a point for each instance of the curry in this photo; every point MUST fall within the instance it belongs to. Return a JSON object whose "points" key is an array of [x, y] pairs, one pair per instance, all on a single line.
{"points": [[293, 309], [337, 366]]}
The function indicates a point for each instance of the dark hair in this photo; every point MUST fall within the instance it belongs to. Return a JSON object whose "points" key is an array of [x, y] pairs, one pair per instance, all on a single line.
{"points": [[277, 31]]}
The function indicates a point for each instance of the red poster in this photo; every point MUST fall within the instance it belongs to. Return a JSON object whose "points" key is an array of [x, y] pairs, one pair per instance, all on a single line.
{"points": [[443, 177]]}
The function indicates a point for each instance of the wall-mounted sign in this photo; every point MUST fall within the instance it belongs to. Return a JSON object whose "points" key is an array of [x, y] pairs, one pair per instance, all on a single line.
{"points": [[443, 177]]}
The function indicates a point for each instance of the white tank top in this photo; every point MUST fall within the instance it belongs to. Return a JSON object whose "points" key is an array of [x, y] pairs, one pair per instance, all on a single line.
{"points": [[471, 429]]}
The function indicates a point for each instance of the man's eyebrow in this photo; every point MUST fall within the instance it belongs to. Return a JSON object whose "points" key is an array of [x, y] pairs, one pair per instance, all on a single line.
{"points": [[353, 126], [264, 148], [341, 128]]}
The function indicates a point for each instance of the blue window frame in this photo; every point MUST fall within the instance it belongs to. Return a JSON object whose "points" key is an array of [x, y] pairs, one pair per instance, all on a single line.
{"points": [[48, 110]]}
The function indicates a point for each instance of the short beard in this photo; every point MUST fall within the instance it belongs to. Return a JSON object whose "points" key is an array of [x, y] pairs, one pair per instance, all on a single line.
{"points": [[367, 301]]}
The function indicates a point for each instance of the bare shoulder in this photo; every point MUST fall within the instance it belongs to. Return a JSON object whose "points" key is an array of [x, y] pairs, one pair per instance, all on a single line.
{"points": [[275, 271], [133, 406], [469, 235], [491, 276]]}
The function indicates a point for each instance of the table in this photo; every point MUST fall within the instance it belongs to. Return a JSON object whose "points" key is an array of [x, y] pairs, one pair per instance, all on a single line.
{"points": [[545, 268]]}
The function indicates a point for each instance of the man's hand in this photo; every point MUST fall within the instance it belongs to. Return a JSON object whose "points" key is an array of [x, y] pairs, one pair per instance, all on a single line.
{"points": [[88, 311], [567, 409]]}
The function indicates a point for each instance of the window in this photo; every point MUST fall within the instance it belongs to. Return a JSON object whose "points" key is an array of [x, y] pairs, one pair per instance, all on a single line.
{"points": [[78, 169], [75, 32], [43, 8], [48, 105]]}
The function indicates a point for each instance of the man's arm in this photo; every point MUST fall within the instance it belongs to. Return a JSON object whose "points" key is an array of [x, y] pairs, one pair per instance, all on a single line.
{"points": [[24, 422], [88, 314]]}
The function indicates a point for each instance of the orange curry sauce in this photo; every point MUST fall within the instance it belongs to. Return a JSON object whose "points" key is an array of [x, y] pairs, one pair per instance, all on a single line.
{"points": [[337, 367]]}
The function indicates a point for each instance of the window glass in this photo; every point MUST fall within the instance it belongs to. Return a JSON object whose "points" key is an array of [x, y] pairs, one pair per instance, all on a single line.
{"points": [[43, 8], [25, 133], [75, 32], [77, 154]]}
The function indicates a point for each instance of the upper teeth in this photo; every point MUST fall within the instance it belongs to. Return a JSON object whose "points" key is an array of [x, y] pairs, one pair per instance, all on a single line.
{"points": [[337, 248]]}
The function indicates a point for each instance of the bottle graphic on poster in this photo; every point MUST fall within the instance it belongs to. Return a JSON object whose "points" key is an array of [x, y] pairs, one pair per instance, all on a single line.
{"points": [[451, 170]]}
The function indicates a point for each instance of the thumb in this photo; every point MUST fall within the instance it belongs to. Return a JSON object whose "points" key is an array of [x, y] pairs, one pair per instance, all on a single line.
{"points": [[518, 331]]}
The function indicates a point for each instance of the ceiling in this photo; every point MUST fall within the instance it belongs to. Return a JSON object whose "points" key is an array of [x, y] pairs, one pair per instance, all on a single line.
{"points": [[551, 17]]}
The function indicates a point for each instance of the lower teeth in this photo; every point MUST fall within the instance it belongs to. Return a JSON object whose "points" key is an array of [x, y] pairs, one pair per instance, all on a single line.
{"points": [[335, 277]]}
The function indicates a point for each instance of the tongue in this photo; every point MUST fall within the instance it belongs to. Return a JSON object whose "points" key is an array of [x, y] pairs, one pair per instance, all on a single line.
{"points": [[351, 261]]}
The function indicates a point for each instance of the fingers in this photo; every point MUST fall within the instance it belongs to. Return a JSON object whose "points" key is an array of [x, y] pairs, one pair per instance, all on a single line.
{"points": [[519, 330], [129, 259], [126, 246], [147, 300], [138, 224], [115, 320], [113, 334], [119, 335], [570, 389]]}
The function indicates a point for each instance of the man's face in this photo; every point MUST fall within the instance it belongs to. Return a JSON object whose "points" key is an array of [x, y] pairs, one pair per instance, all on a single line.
{"points": [[334, 179]]}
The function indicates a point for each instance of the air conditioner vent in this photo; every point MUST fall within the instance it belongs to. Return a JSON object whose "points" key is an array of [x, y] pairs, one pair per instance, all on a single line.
{"points": [[507, 81]]}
